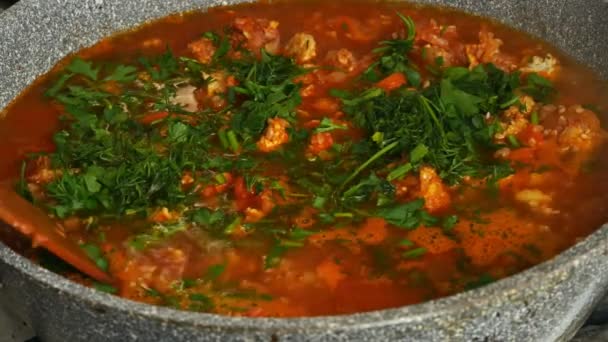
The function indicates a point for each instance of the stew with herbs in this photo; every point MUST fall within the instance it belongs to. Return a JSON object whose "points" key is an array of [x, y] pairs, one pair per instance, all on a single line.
{"points": [[311, 158]]}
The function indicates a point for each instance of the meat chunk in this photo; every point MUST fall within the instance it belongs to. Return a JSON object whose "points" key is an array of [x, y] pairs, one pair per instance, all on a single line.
{"points": [[302, 46], [488, 51], [274, 136], [184, 97], [435, 193], [440, 41], [157, 268], [342, 59], [256, 34], [202, 49], [576, 132], [217, 83], [320, 142], [435, 34], [581, 131], [515, 119]]}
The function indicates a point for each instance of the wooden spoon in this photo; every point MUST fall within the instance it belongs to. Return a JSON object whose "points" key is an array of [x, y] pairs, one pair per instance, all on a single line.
{"points": [[33, 222]]}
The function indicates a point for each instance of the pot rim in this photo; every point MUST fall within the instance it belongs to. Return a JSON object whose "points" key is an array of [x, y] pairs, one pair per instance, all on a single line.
{"points": [[558, 265]]}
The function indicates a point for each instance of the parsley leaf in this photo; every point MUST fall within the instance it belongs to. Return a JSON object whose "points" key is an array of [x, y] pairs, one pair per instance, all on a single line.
{"points": [[122, 73], [84, 68], [408, 215], [269, 91]]}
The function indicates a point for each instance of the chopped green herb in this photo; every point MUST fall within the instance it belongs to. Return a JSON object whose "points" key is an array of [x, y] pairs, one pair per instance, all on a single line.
{"points": [[449, 222], [105, 287], [534, 119], [215, 271], [95, 253], [406, 243], [414, 253], [327, 125], [84, 68], [513, 141]]}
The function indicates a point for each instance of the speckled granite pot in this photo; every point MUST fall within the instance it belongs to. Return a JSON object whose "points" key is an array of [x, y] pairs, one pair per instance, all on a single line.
{"points": [[545, 303]]}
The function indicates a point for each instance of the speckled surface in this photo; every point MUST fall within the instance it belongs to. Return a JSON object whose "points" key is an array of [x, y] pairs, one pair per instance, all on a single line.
{"points": [[545, 303]]}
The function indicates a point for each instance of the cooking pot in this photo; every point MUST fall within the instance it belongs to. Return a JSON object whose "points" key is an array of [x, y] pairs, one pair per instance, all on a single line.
{"points": [[548, 302]]}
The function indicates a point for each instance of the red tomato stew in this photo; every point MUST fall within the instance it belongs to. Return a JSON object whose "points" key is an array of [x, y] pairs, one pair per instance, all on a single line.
{"points": [[302, 159]]}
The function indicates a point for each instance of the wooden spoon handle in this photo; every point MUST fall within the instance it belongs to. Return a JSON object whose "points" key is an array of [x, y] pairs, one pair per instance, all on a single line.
{"points": [[33, 222]]}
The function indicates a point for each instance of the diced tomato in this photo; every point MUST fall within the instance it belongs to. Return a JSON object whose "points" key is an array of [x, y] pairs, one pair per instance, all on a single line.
{"points": [[212, 190], [514, 182], [153, 117], [312, 124], [524, 155], [243, 196], [392, 82]]}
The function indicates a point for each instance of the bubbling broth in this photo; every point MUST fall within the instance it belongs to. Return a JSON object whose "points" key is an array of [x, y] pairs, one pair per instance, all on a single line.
{"points": [[311, 158]]}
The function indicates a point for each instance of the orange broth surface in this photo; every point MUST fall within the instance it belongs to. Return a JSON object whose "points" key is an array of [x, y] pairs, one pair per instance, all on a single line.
{"points": [[261, 220]]}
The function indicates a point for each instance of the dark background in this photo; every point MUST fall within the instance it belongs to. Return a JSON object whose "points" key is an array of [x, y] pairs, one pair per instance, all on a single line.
{"points": [[6, 3]]}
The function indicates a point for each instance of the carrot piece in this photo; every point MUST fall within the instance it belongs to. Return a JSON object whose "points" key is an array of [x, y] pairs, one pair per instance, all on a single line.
{"points": [[373, 231], [330, 273], [392, 81]]}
